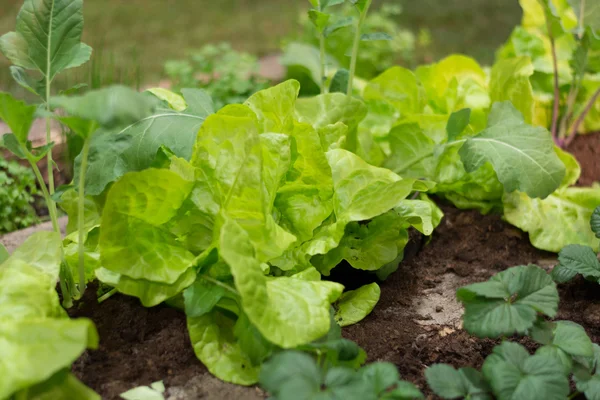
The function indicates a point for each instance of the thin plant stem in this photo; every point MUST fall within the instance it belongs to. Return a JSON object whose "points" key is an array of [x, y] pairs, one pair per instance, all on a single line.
{"points": [[107, 295], [356, 46], [581, 117], [323, 61], [81, 214], [46, 194], [555, 109]]}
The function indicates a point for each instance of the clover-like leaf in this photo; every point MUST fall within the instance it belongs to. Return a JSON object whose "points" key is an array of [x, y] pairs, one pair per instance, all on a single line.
{"points": [[509, 302], [576, 259]]}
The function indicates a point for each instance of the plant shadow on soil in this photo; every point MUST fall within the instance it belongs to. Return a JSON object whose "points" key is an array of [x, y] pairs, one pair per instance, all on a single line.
{"points": [[415, 324]]}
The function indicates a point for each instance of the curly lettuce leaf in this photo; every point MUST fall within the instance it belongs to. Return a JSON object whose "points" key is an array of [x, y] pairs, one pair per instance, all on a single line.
{"points": [[572, 206], [354, 305]]}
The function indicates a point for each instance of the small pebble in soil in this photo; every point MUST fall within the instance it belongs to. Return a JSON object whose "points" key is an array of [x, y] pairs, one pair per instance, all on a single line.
{"points": [[439, 309]]}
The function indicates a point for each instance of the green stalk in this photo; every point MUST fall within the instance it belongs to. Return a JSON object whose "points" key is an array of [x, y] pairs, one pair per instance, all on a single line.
{"points": [[46, 194], [356, 45], [81, 215], [323, 61]]}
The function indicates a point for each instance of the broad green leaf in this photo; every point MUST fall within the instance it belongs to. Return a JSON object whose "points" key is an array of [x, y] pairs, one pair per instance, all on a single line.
{"points": [[133, 240], [214, 344], [61, 386], [42, 250], [91, 252], [251, 341], [367, 246], [529, 377], [588, 13], [34, 350], [149, 292], [291, 373], [553, 223], [111, 107], [134, 148], [91, 215], [174, 100], [423, 214], [280, 307], [512, 146], [27, 293], [79, 126], [411, 151], [578, 259], [275, 107], [354, 305], [201, 297], [47, 37], [510, 82], [17, 115], [567, 336], [10, 142], [450, 383], [376, 36], [362, 191], [595, 221], [339, 82], [508, 302], [400, 87], [589, 381], [457, 123], [319, 19], [381, 375]]}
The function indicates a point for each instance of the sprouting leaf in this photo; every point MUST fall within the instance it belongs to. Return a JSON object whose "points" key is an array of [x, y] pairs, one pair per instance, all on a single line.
{"points": [[354, 305], [319, 19], [450, 383], [512, 146], [153, 392], [17, 115], [110, 107], [561, 219], [47, 37], [509, 302], [375, 36], [514, 374], [339, 83], [457, 123], [576, 259], [595, 221]]}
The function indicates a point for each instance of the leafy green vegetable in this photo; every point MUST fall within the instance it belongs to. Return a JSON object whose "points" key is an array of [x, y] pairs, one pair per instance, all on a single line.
{"points": [[450, 383], [508, 142], [573, 206], [588, 379], [153, 392], [514, 374], [509, 302], [354, 305]]}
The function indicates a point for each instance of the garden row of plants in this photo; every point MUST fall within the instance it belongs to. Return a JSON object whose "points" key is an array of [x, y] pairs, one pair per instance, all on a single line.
{"points": [[235, 214]]}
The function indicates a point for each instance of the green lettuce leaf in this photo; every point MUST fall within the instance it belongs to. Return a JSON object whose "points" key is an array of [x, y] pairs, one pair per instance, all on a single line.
{"points": [[573, 206], [509, 81], [354, 305], [61, 386]]}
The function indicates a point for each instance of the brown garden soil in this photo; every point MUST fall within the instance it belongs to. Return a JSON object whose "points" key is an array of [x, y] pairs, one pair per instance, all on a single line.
{"points": [[415, 324]]}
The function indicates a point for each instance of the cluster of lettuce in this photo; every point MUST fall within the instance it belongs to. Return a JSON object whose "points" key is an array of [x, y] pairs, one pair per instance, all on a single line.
{"points": [[38, 341], [240, 234]]}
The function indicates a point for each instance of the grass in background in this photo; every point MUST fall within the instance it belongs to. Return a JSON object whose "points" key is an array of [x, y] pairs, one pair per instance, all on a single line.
{"points": [[132, 39]]}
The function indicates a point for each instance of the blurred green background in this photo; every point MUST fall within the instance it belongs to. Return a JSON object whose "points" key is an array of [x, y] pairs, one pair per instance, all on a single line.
{"points": [[132, 39]]}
